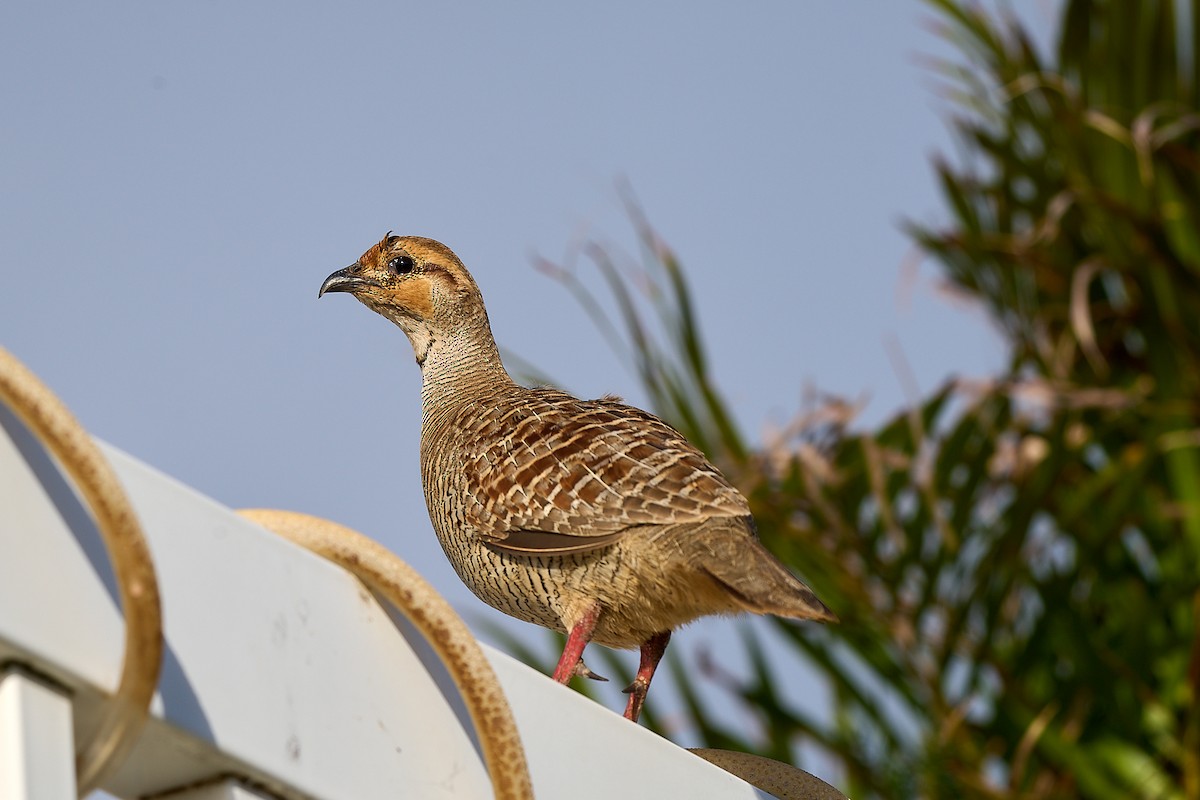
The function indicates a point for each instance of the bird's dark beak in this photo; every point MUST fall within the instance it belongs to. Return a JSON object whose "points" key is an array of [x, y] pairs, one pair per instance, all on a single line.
{"points": [[345, 280]]}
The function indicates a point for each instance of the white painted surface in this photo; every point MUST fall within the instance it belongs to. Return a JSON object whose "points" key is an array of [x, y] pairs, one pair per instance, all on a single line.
{"points": [[280, 666], [37, 750]]}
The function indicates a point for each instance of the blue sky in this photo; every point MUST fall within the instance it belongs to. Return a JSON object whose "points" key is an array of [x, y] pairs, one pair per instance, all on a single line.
{"points": [[178, 178]]}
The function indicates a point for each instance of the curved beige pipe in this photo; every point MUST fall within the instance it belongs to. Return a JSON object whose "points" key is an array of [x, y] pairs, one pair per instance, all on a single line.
{"points": [[59, 432], [782, 780], [384, 572]]}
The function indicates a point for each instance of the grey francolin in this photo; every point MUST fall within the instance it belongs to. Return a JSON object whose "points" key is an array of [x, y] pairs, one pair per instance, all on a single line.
{"points": [[586, 516]]}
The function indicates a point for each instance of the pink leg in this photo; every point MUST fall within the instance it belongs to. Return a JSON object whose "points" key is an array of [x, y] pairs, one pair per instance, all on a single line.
{"points": [[652, 653], [577, 639]]}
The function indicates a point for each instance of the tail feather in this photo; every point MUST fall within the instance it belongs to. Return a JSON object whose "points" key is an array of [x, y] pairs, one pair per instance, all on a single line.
{"points": [[760, 582]]}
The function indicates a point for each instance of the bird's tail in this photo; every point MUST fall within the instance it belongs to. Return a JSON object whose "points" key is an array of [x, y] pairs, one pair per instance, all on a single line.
{"points": [[761, 583]]}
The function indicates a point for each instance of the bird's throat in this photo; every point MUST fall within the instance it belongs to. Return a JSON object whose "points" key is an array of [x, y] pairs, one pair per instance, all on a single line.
{"points": [[455, 368]]}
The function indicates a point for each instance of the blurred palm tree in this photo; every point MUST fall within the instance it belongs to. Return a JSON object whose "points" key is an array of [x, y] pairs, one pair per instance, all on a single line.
{"points": [[1016, 561]]}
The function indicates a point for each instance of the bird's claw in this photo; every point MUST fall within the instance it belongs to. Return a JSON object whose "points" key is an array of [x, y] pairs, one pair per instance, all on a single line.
{"points": [[582, 670]]}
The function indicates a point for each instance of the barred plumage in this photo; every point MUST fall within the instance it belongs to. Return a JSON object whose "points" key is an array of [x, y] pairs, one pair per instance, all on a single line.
{"points": [[541, 460], [589, 517]]}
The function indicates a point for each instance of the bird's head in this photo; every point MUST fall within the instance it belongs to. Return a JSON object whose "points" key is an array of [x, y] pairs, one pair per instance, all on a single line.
{"points": [[417, 283]]}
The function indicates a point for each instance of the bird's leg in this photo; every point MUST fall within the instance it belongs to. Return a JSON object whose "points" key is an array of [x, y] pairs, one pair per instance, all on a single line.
{"points": [[652, 653], [577, 639]]}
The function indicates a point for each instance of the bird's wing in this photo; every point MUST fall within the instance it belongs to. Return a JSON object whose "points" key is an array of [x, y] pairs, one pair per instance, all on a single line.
{"points": [[564, 475]]}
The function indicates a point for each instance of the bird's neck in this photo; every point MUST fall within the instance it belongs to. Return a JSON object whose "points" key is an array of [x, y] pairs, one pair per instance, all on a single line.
{"points": [[461, 367]]}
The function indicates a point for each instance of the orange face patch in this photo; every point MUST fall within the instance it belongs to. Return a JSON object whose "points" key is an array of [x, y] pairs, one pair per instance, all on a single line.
{"points": [[411, 294], [415, 296]]}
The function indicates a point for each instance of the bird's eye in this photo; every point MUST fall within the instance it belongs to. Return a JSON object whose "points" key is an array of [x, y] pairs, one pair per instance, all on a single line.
{"points": [[401, 265]]}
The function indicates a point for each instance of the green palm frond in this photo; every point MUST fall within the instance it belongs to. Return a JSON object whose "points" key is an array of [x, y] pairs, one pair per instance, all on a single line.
{"points": [[1016, 561]]}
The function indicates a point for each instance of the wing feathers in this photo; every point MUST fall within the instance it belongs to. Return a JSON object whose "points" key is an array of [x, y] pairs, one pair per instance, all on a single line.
{"points": [[562, 475]]}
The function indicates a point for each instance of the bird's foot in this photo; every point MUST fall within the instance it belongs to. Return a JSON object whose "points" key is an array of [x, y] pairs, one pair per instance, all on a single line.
{"points": [[637, 698], [652, 652]]}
